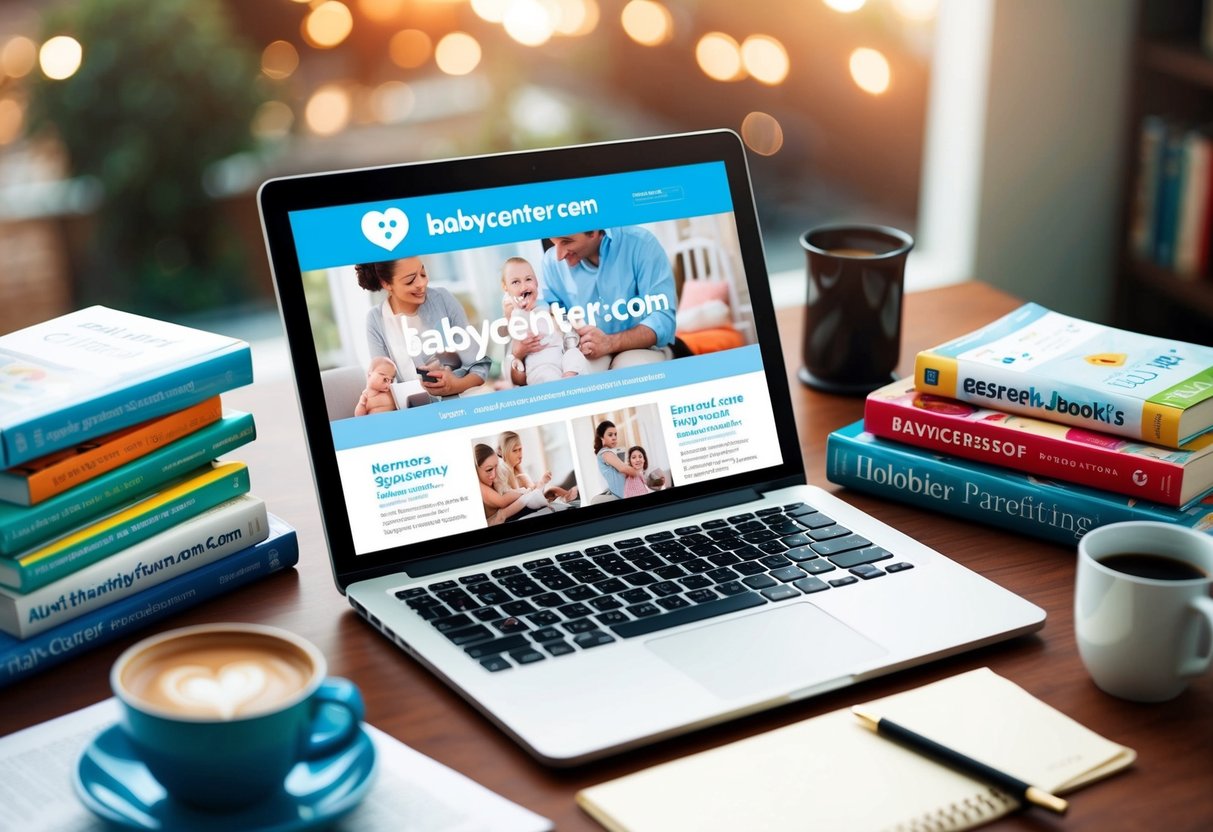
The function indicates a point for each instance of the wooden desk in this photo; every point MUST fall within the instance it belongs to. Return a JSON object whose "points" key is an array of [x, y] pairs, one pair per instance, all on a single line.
{"points": [[1171, 787]]}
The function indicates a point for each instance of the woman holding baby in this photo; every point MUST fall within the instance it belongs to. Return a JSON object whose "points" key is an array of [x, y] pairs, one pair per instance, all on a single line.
{"points": [[617, 473], [509, 448]]}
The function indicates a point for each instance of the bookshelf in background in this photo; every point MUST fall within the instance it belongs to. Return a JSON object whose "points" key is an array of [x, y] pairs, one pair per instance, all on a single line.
{"points": [[1171, 81]]}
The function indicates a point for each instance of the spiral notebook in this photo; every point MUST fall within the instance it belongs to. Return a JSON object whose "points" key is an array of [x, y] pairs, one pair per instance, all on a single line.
{"points": [[829, 772]]}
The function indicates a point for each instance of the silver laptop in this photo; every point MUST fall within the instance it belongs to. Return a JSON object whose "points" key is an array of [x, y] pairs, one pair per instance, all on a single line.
{"points": [[555, 454]]}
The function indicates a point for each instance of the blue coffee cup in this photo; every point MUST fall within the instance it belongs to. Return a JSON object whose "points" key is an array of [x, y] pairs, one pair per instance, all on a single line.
{"points": [[220, 713]]}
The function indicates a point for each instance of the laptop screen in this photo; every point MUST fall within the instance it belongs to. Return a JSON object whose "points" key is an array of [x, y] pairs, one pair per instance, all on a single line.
{"points": [[496, 362]]}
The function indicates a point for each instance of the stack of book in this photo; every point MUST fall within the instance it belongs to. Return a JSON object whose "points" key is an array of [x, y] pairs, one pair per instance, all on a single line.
{"points": [[114, 512], [1043, 424]]}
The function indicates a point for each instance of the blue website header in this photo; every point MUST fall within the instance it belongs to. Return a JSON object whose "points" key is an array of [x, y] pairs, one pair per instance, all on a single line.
{"points": [[374, 231]]}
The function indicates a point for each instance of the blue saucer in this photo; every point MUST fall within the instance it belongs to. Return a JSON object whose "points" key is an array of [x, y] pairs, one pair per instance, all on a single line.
{"points": [[115, 785]]}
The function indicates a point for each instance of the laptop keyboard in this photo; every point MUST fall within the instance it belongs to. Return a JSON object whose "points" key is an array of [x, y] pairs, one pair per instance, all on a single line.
{"points": [[578, 600]]}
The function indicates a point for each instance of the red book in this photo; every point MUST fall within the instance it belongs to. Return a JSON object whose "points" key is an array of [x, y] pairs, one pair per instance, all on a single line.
{"points": [[1174, 477]]}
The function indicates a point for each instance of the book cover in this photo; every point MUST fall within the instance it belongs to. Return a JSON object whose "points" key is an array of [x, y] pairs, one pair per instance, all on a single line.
{"points": [[1023, 503], [1193, 222], [181, 499], [1040, 363], [19, 659], [23, 527], [215, 533], [1151, 142], [54, 473], [1035, 446], [96, 370]]}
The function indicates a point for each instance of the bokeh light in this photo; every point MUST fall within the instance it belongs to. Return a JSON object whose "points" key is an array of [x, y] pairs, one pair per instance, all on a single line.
{"points": [[328, 110], [18, 57], [328, 24], [12, 120], [647, 22], [719, 56], [273, 120], [490, 11], [870, 70], [457, 53], [845, 6], [382, 11], [762, 133], [577, 17], [279, 60], [392, 102], [60, 57], [529, 22], [410, 48], [917, 11], [765, 59]]}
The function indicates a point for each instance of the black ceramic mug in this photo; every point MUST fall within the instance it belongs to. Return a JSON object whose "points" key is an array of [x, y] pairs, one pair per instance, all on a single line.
{"points": [[852, 315]]}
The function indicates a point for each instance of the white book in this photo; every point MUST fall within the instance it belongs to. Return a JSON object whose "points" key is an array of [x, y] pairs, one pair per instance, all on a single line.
{"points": [[224, 529]]}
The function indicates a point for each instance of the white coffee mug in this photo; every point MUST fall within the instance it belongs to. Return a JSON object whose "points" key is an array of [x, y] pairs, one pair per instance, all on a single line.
{"points": [[1143, 616]]}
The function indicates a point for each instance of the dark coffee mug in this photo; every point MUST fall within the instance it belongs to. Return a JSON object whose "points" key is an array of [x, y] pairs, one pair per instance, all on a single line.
{"points": [[852, 315]]}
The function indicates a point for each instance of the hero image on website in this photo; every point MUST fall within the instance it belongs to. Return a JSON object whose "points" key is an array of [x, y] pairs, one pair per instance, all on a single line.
{"points": [[482, 385]]}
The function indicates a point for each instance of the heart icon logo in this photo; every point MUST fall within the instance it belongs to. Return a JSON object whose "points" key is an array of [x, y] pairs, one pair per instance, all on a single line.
{"points": [[385, 228], [223, 691]]}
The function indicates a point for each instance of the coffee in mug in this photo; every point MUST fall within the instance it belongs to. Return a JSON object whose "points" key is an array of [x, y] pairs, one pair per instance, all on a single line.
{"points": [[1143, 615], [220, 713]]}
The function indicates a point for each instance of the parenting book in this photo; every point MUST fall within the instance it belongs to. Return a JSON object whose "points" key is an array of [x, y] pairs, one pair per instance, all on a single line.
{"points": [[216, 533], [1035, 446], [1040, 363], [1023, 503], [46, 476], [187, 497], [93, 371]]}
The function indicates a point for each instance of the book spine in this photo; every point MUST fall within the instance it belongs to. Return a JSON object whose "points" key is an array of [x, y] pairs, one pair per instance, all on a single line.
{"points": [[979, 492], [1197, 147], [19, 659], [992, 443], [1141, 234], [1166, 209], [47, 476], [204, 539], [22, 527], [175, 389], [163, 510]]}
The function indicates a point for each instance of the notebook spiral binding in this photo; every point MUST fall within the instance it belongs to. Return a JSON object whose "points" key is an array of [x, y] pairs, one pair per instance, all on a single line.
{"points": [[966, 814]]}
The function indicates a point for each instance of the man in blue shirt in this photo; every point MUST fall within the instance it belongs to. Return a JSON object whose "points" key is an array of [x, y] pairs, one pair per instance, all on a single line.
{"points": [[616, 288]]}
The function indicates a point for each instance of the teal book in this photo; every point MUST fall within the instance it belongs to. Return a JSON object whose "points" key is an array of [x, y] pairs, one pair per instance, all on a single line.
{"points": [[1001, 497], [19, 659], [96, 370], [23, 527], [175, 502]]}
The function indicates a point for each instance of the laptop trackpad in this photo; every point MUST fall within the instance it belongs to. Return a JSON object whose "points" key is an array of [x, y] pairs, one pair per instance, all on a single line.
{"points": [[789, 647]]}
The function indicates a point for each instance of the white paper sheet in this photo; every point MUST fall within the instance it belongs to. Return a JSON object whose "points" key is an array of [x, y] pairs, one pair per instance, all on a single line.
{"points": [[37, 764]]}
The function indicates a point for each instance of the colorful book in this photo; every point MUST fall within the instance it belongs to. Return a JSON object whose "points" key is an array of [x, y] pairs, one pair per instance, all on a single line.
{"points": [[1152, 140], [19, 659], [1061, 512], [1166, 207], [1040, 363], [181, 499], [1034, 446], [216, 533], [1194, 221], [23, 527], [55, 473], [91, 372]]}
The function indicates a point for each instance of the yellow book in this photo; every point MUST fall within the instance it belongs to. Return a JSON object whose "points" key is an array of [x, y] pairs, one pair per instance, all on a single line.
{"points": [[830, 772]]}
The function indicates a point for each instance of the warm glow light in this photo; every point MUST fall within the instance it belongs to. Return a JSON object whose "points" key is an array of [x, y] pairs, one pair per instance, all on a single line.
{"points": [[870, 70], [60, 57], [328, 24], [328, 110], [762, 133], [272, 120], [410, 48], [382, 11], [457, 53], [279, 60], [491, 11], [574, 18], [12, 118], [18, 57], [392, 102], [529, 22], [916, 11], [845, 6], [719, 57], [647, 22], [765, 59]]}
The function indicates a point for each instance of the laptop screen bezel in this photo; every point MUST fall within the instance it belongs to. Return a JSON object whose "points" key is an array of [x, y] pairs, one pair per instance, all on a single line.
{"points": [[278, 198]]}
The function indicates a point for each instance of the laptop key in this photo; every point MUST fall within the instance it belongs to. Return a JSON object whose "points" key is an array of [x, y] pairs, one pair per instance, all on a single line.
{"points": [[506, 571], [629, 543], [685, 530], [601, 549], [898, 567], [612, 617], [412, 592], [580, 592], [763, 512], [643, 610], [793, 540], [538, 562], [664, 588], [750, 526], [518, 608], [715, 524], [575, 610], [433, 611], [567, 556], [511, 625], [773, 547], [788, 574], [640, 579], [740, 518], [800, 553], [477, 578], [648, 562], [829, 532], [491, 594], [759, 581], [695, 581], [785, 527], [867, 571], [557, 581], [558, 648], [749, 567], [657, 537], [781, 593], [724, 559], [610, 585], [849, 579], [596, 638], [799, 510], [528, 656], [441, 585], [487, 614], [579, 625], [810, 584], [468, 635], [589, 575], [493, 664], [759, 537], [774, 561], [702, 596], [816, 520], [605, 602], [499, 645], [544, 618], [420, 601], [722, 574], [635, 596], [699, 612], [846, 560], [729, 588], [524, 587], [673, 602], [451, 622], [817, 567], [545, 599], [694, 539], [698, 566], [841, 544], [669, 572], [546, 634], [618, 569]]}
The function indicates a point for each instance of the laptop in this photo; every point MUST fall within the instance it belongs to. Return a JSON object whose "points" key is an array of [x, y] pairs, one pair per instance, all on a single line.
{"points": [[585, 508]]}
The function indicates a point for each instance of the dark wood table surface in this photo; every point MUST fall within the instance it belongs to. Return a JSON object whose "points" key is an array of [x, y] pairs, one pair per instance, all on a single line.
{"points": [[1169, 788]]}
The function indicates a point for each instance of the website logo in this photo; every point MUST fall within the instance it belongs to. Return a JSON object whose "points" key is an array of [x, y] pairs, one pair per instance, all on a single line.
{"points": [[385, 228]]}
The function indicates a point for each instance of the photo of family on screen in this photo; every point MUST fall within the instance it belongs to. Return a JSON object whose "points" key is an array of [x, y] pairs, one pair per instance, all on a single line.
{"points": [[526, 472], [622, 454]]}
